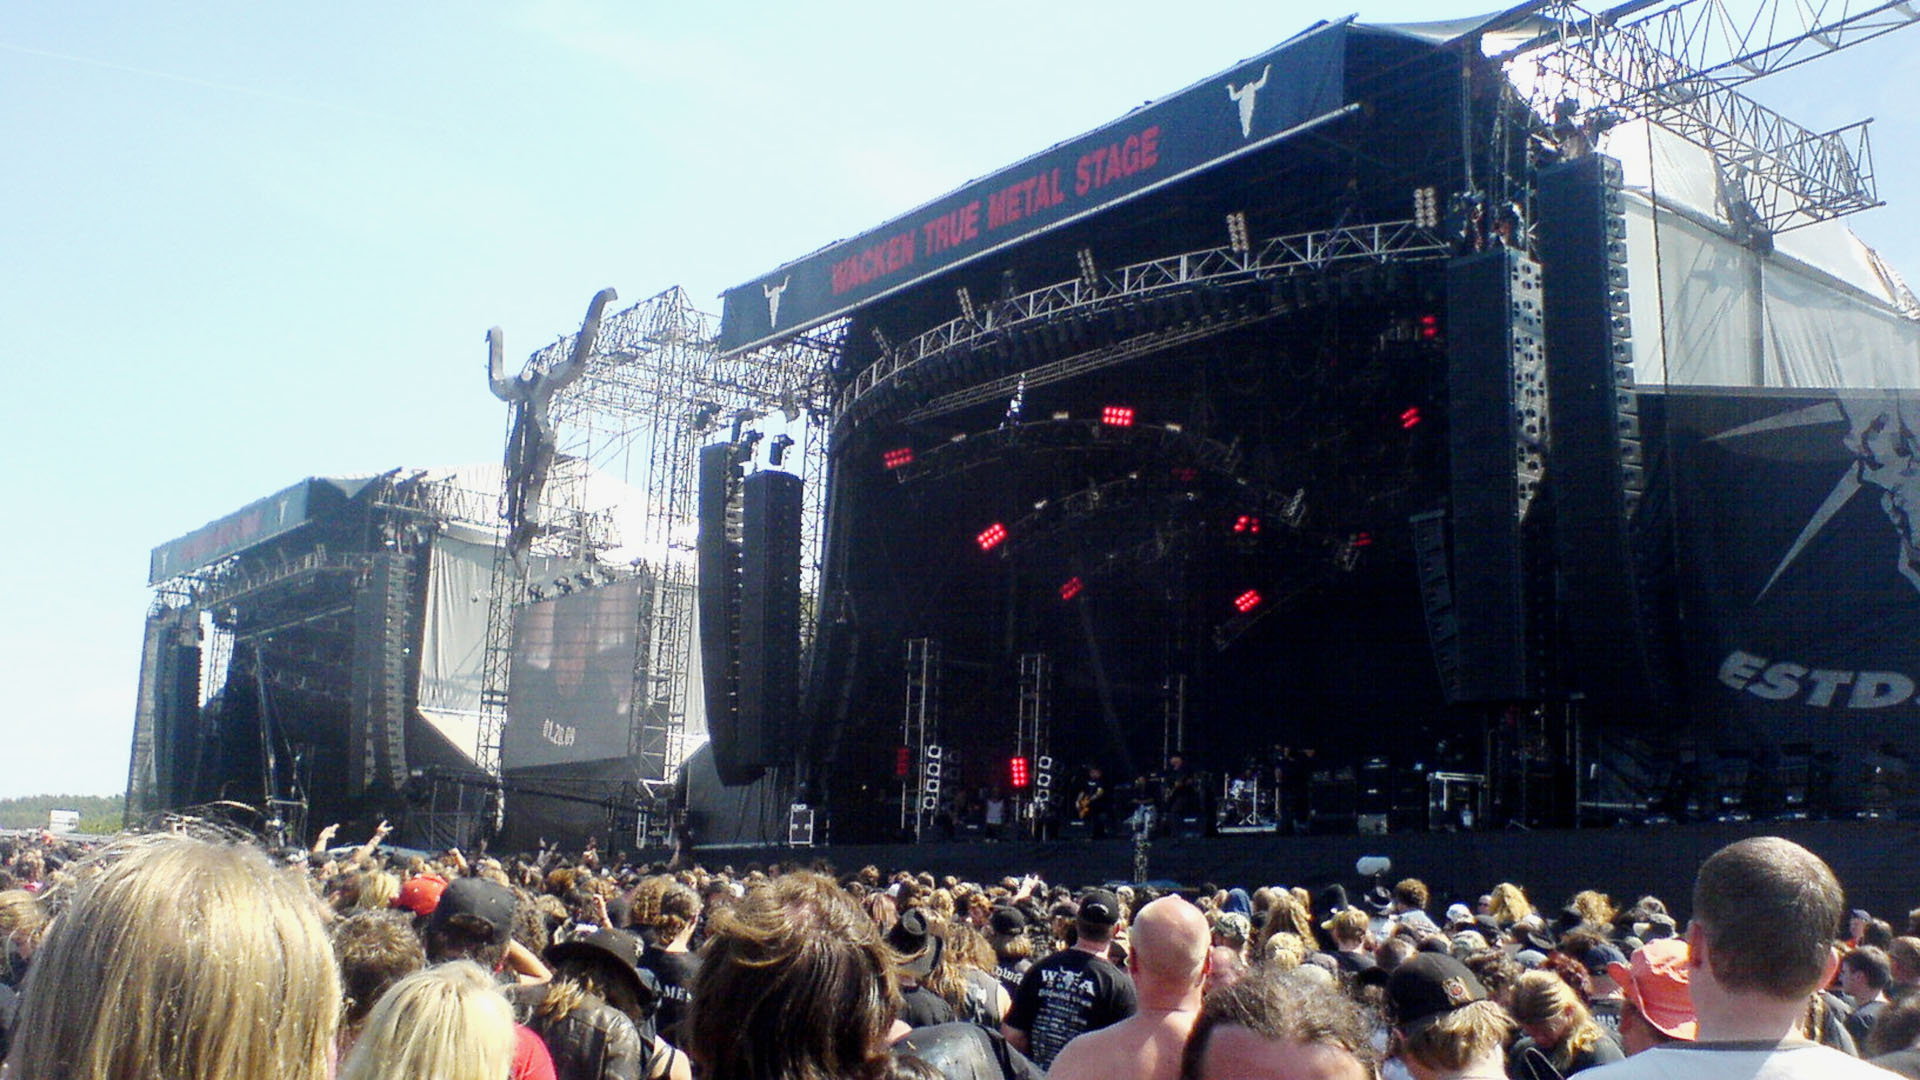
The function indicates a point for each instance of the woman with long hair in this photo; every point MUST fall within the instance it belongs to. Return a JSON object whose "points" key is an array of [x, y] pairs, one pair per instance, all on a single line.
{"points": [[794, 985], [448, 1022], [178, 958], [1508, 904], [1559, 1030]]}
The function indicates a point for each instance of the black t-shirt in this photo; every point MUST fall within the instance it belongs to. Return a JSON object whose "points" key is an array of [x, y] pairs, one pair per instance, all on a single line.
{"points": [[921, 1007], [1527, 1061], [1010, 974], [675, 970], [1065, 995], [1353, 963]]}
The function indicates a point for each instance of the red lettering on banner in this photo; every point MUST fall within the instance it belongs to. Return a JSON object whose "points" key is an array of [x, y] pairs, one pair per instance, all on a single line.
{"points": [[1024, 199], [885, 257], [954, 227], [1104, 165]]}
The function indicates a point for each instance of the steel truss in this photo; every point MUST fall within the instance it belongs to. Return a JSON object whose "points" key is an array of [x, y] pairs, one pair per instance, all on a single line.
{"points": [[1679, 68], [920, 737], [652, 390], [1033, 739], [994, 324]]}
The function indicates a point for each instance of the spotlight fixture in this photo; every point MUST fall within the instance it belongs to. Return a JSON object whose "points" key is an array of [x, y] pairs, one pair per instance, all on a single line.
{"points": [[991, 536], [1237, 232]]}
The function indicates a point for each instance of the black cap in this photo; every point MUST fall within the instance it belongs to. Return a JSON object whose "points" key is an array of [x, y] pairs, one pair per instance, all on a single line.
{"points": [[1600, 957], [1332, 899], [488, 901], [1428, 986], [1098, 907], [1007, 920], [915, 941]]}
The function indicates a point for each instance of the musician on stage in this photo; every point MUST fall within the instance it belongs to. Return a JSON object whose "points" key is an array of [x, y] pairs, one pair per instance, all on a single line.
{"points": [[1181, 784], [1093, 801]]}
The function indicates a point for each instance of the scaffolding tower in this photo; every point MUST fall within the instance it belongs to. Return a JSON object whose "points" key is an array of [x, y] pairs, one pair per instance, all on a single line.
{"points": [[650, 389]]}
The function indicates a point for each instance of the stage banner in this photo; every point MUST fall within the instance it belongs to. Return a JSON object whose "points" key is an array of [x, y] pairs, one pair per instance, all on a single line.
{"points": [[1799, 570], [259, 520], [570, 690], [1242, 109]]}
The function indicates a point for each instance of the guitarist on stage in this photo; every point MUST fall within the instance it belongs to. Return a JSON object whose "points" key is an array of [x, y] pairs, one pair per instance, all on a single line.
{"points": [[1093, 802], [1182, 787]]}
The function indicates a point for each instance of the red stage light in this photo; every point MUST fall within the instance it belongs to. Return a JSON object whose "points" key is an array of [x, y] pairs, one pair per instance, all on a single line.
{"points": [[1362, 539], [1247, 524], [1429, 327], [1246, 601], [1410, 418], [1117, 416], [1017, 771], [893, 459], [1071, 588], [902, 760], [991, 536]]}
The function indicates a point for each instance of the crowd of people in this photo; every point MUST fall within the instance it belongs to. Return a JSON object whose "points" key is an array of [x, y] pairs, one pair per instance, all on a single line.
{"points": [[176, 956]]}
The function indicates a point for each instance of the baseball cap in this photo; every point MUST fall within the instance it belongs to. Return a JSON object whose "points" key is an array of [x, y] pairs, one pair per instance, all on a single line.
{"points": [[421, 894], [1427, 987], [488, 901], [1601, 958], [1098, 907], [1007, 920], [1656, 981], [1458, 914]]}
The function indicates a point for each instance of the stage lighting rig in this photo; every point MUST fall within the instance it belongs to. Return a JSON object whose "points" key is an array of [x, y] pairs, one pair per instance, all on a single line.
{"points": [[777, 450], [1237, 232]]}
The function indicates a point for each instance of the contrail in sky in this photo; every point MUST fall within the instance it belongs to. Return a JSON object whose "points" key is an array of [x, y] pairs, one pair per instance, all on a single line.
{"points": [[190, 80]]}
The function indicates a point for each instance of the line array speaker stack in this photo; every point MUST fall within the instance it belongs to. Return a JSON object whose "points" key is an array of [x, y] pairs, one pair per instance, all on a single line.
{"points": [[749, 607], [1599, 460], [769, 688], [1497, 402]]}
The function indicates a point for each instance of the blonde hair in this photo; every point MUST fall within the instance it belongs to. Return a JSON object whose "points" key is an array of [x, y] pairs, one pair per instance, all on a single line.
{"points": [[1455, 1039], [1596, 908], [447, 1022], [1541, 996], [1284, 951], [21, 916], [1509, 904], [181, 959], [377, 891]]}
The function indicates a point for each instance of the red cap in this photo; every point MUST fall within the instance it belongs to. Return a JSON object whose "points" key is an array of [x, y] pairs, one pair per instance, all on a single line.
{"points": [[421, 895]]}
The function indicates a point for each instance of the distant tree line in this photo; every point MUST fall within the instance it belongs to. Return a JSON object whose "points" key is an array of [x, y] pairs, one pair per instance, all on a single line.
{"points": [[98, 813]]}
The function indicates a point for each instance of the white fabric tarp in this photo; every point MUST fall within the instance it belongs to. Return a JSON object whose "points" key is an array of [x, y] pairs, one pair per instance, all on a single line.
{"points": [[454, 645], [1818, 311]]}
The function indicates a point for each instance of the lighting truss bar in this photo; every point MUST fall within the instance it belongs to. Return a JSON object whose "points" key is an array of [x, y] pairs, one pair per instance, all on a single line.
{"points": [[1679, 68], [1221, 266], [1716, 48]]}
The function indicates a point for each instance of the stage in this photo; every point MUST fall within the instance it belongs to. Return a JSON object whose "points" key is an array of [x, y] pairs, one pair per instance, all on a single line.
{"points": [[1873, 860]]}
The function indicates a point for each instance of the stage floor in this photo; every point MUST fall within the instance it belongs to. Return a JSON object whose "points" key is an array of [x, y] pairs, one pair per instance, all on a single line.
{"points": [[1875, 861]]}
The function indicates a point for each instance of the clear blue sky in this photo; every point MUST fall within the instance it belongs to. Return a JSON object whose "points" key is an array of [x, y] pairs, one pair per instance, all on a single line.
{"points": [[245, 243]]}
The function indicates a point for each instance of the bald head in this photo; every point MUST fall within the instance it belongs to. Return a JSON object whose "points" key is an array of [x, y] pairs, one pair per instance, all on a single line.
{"points": [[1169, 945]]}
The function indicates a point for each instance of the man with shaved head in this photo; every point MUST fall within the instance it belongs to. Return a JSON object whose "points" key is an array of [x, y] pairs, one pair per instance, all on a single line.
{"points": [[1169, 961]]}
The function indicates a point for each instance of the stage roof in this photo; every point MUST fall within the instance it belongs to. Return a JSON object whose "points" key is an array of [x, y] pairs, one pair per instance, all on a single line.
{"points": [[1256, 103]]}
